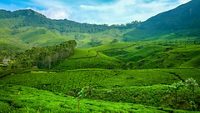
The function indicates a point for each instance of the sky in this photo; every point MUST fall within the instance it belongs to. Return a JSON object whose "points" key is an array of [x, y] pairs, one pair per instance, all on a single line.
{"points": [[95, 11]]}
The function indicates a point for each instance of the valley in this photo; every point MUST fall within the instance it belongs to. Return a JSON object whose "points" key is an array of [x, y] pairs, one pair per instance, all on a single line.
{"points": [[103, 73], [62, 66]]}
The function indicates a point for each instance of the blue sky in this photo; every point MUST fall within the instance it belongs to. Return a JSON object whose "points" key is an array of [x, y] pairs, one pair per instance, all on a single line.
{"points": [[95, 11]]}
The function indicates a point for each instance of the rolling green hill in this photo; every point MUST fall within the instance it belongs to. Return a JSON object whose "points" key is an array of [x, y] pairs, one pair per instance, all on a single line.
{"points": [[85, 58], [61, 66], [26, 37], [154, 54]]}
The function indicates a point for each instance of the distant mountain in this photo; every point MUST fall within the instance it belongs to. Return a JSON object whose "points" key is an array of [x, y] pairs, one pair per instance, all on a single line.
{"points": [[183, 18], [30, 28], [23, 18]]}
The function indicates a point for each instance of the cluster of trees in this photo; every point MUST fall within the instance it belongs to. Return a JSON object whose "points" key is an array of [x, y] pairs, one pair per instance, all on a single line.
{"points": [[94, 42], [186, 94], [43, 57], [5, 56], [130, 25]]}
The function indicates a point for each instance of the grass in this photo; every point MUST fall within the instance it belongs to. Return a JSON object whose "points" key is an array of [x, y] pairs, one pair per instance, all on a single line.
{"points": [[85, 58], [20, 99], [148, 86], [68, 80]]}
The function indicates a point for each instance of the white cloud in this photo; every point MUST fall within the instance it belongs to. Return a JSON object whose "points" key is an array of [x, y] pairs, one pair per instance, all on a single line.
{"points": [[118, 12], [118, 7], [91, 11], [183, 1], [56, 13], [124, 11], [53, 9]]}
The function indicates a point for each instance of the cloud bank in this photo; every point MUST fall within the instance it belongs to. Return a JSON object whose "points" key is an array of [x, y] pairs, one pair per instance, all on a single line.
{"points": [[96, 11]]}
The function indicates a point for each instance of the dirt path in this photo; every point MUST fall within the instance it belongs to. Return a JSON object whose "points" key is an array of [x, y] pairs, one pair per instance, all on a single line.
{"points": [[177, 76], [122, 48], [97, 55]]}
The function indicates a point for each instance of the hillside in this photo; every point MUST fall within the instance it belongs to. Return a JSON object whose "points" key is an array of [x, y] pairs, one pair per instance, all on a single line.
{"points": [[156, 54], [86, 58], [28, 28], [181, 20]]}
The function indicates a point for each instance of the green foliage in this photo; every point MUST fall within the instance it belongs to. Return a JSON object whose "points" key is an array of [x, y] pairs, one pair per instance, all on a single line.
{"points": [[94, 43], [136, 86], [44, 57], [191, 89]]}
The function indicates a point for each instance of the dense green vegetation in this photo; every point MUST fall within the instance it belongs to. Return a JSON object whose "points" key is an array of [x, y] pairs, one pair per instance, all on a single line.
{"points": [[155, 54], [44, 57], [40, 57], [147, 87], [21, 99]]}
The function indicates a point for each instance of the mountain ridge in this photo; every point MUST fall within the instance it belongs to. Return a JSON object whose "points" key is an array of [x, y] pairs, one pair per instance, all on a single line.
{"points": [[183, 18], [35, 19], [169, 19]]}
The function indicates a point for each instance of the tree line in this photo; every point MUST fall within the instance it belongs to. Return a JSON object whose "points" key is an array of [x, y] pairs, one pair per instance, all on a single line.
{"points": [[43, 57]]}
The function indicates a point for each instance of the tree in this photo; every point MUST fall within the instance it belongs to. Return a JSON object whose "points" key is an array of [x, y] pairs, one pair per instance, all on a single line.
{"points": [[177, 86], [188, 92], [95, 42], [84, 92], [114, 41], [45, 57], [192, 85]]}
